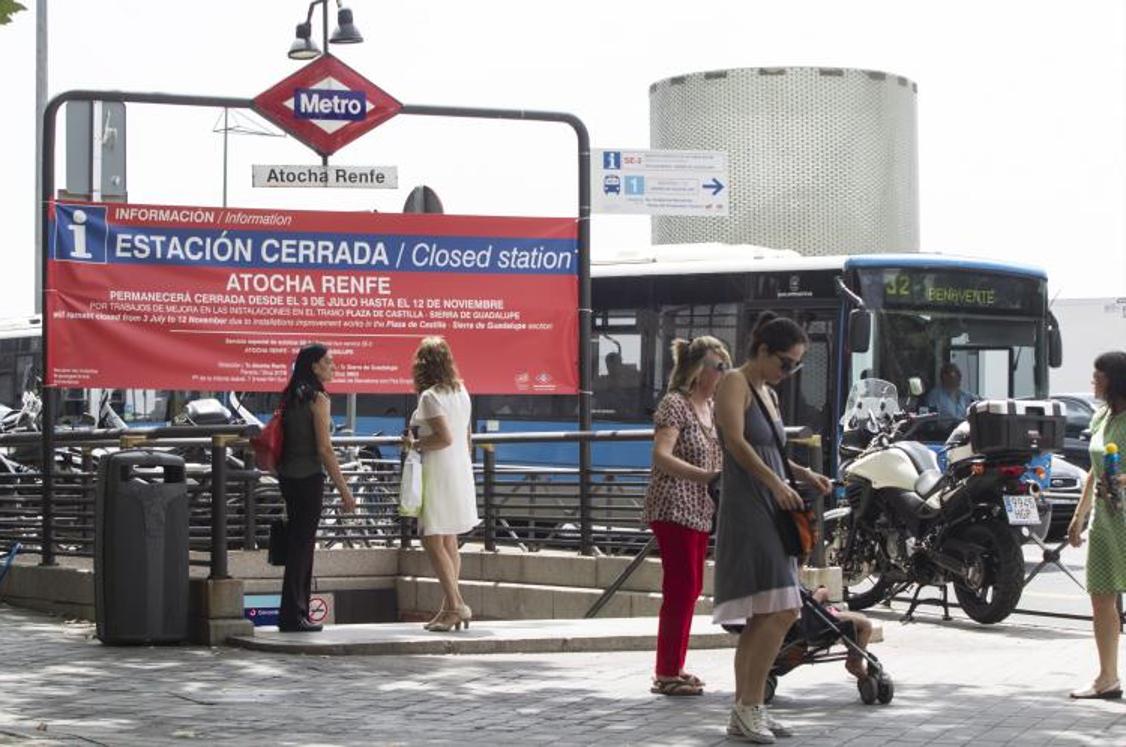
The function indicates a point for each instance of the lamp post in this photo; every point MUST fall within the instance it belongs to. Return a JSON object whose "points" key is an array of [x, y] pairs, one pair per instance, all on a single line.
{"points": [[304, 48]]}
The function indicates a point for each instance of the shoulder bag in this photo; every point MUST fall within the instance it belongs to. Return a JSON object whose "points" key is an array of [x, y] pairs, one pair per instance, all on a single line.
{"points": [[268, 444], [797, 528]]}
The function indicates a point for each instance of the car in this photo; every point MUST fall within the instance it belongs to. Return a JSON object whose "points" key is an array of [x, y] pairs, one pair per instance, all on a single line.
{"points": [[1080, 408], [1065, 486]]}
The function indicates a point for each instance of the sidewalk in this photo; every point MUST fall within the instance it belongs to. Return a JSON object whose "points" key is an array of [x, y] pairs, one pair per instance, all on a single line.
{"points": [[956, 683]]}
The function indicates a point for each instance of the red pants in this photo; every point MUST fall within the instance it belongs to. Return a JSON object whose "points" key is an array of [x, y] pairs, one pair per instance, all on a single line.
{"points": [[683, 551]]}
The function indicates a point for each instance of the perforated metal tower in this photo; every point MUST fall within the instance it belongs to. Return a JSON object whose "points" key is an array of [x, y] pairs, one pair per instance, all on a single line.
{"points": [[823, 160]]}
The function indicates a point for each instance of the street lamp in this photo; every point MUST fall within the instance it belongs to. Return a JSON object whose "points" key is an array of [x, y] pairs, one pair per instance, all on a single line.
{"points": [[304, 48]]}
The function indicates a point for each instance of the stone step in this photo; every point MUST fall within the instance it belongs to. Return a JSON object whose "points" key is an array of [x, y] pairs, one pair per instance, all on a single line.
{"points": [[486, 637]]}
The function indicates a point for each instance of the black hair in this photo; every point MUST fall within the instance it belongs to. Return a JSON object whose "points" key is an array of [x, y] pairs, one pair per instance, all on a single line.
{"points": [[1112, 364], [777, 333], [303, 383]]}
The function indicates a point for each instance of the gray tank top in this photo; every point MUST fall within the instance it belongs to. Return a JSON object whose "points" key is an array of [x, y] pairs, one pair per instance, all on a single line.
{"points": [[300, 457]]}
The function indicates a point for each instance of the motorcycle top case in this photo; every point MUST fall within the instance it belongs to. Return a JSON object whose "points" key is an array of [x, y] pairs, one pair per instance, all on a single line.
{"points": [[1009, 425]]}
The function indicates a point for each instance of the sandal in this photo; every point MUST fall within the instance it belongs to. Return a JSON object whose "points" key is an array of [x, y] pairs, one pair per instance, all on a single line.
{"points": [[691, 679], [675, 686]]}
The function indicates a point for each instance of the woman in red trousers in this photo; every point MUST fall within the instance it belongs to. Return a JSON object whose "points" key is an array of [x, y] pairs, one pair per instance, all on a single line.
{"points": [[687, 457]]}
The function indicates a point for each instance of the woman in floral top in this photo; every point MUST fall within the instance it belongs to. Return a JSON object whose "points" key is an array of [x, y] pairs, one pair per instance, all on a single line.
{"points": [[686, 457], [1106, 549]]}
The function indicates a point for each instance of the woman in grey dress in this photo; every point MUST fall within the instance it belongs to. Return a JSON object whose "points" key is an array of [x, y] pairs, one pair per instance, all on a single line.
{"points": [[756, 582]]}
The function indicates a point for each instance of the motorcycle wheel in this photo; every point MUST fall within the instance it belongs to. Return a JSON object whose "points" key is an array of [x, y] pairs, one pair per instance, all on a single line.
{"points": [[1002, 573], [856, 600], [868, 597]]}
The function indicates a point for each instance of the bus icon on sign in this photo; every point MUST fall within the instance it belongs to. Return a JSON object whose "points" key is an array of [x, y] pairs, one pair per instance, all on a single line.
{"points": [[612, 185]]}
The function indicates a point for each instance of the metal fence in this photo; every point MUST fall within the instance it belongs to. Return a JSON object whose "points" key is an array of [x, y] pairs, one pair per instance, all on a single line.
{"points": [[232, 503]]}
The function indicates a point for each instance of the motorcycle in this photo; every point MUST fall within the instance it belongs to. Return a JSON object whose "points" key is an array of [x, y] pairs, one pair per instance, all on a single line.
{"points": [[907, 523]]}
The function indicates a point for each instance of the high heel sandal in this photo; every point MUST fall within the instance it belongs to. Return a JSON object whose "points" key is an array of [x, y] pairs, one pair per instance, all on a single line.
{"points": [[437, 616], [452, 620], [465, 614]]}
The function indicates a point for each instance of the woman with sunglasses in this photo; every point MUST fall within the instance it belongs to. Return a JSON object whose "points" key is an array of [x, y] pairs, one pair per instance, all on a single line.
{"points": [[686, 459], [756, 582]]}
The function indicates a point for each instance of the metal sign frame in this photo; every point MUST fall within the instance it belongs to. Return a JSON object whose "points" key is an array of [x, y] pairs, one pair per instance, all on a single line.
{"points": [[47, 166]]}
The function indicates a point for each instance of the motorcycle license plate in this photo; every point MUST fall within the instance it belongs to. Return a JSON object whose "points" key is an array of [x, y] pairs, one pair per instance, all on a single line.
{"points": [[1021, 510]]}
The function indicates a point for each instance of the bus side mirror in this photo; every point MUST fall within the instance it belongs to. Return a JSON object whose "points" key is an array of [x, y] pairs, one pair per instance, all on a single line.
{"points": [[1055, 342], [859, 331]]}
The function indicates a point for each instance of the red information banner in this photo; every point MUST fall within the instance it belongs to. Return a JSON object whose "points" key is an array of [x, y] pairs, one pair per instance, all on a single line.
{"points": [[167, 297]]}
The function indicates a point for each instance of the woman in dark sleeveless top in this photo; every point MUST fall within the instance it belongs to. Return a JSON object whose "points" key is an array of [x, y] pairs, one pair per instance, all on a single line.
{"points": [[306, 455], [756, 582]]}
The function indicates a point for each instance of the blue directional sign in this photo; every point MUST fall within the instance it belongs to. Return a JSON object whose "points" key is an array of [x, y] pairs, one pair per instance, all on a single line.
{"points": [[660, 182]]}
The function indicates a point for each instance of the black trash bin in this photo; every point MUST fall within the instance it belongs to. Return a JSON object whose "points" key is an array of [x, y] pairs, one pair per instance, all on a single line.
{"points": [[141, 548]]}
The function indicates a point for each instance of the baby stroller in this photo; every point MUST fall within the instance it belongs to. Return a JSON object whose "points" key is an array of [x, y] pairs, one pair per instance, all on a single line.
{"points": [[810, 641]]}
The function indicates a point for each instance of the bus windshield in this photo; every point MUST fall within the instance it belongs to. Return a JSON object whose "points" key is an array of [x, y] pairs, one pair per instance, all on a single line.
{"points": [[946, 339]]}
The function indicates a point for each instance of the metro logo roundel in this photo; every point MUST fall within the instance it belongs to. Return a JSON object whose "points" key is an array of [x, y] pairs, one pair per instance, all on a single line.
{"points": [[326, 105]]}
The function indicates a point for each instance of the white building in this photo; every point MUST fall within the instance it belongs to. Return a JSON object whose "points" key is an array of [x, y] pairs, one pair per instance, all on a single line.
{"points": [[1089, 326]]}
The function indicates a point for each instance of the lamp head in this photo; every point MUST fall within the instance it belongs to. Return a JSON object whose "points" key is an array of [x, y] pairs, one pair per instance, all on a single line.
{"points": [[303, 47], [346, 31]]}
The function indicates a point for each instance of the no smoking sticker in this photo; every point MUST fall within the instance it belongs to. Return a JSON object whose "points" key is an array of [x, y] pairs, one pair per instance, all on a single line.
{"points": [[318, 609]]}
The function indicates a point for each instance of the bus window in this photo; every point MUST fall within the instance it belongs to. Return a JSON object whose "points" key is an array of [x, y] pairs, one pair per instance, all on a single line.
{"points": [[617, 385], [720, 320]]}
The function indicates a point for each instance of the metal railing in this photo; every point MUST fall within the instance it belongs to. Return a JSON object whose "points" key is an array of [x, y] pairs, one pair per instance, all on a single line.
{"points": [[231, 503]]}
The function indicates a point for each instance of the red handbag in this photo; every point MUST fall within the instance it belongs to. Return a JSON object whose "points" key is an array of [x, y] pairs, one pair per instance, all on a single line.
{"points": [[267, 445]]}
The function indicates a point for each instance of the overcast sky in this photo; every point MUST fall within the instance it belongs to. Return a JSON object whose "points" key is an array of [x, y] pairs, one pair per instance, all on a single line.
{"points": [[1022, 152]]}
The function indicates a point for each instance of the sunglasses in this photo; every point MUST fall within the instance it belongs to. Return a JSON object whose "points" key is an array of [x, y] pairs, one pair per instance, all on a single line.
{"points": [[789, 365]]}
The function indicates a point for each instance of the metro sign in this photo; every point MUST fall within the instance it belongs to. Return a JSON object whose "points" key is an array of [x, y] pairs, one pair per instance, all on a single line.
{"points": [[326, 105]]}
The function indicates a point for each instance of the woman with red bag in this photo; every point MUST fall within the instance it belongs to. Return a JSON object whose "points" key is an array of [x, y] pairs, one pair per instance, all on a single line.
{"points": [[306, 455], [756, 579]]}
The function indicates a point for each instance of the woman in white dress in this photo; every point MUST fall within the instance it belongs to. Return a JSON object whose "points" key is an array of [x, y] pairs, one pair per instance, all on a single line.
{"points": [[449, 494]]}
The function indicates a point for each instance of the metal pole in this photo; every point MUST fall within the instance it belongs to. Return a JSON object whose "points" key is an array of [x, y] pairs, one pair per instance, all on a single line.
{"points": [[586, 534], [226, 134], [612, 589], [324, 26], [489, 475], [250, 508], [219, 507], [40, 105]]}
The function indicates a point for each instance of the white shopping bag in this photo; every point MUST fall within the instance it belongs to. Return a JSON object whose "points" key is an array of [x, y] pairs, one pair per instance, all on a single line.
{"points": [[410, 489]]}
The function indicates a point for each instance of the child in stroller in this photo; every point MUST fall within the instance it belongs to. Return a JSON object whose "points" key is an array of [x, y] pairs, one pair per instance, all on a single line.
{"points": [[810, 641]]}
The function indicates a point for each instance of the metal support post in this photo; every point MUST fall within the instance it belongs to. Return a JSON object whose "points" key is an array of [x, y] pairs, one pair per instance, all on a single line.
{"points": [[488, 476], [250, 507], [47, 552], [219, 507]]}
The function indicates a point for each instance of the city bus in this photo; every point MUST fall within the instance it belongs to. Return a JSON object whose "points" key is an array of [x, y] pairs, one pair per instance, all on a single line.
{"points": [[894, 317]]}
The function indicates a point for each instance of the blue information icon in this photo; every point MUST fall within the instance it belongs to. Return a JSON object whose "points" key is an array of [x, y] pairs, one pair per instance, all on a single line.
{"points": [[612, 160], [80, 233], [635, 185]]}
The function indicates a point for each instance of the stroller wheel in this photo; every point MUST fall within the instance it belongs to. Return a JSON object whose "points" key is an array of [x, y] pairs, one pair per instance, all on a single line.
{"points": [[771, 686], [869, 689], [885, 690]]}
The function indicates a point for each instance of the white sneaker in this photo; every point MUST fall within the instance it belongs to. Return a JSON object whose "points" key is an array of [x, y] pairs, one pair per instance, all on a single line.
{"points": [[749, 723], [776, 727]]}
